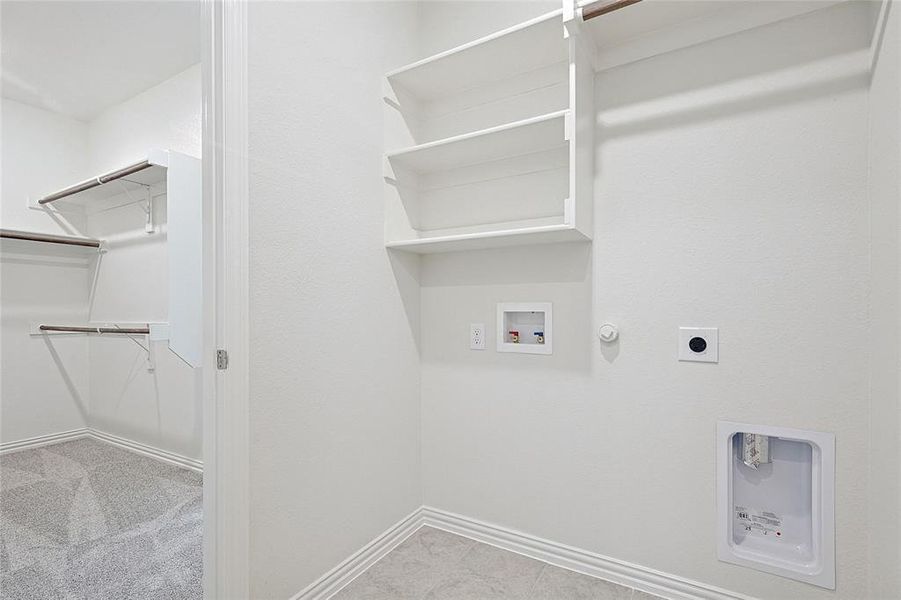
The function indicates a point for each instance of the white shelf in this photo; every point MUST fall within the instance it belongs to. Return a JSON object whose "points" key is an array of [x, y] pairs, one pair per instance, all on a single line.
{"points": [[653, 27], [153, 175], [547, 234], [525, 47], [514, 139]]}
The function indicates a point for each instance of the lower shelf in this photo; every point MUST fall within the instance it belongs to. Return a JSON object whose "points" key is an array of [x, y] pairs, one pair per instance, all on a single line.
{"points": [[546, 234]]}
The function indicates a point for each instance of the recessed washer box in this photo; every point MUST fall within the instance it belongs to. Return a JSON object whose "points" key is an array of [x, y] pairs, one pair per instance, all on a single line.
{"points": [[525, 327], [780, 516]]}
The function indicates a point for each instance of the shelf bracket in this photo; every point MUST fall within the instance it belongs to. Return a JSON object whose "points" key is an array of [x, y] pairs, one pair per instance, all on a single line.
{"points": [[146, 203]]}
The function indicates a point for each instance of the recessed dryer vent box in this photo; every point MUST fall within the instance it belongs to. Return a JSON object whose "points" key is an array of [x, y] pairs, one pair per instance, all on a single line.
{"points": [[525, 327], [776, 501]]}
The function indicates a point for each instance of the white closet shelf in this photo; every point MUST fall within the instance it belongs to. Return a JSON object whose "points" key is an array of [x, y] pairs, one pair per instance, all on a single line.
{"points": [[652, 27], [133, 178], [525, 47], [504, 141], [546, 234]]}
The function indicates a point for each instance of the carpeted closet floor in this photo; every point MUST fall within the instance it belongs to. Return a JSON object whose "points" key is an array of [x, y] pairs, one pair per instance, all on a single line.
{"points": [[85, 519]]}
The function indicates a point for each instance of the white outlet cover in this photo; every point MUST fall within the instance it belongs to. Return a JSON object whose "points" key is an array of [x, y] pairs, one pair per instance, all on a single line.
{"points": [[710, 335], [476, 336]]}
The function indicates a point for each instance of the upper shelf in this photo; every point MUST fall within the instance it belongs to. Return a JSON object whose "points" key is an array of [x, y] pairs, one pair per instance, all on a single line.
{"points": [[513, 139], [525, 47], [653, 27], [131, 178]]}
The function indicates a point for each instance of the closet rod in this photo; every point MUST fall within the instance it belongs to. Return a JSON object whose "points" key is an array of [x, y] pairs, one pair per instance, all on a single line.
{"points": [[126, 330], [97, 181], [50, 239], [596, 9]]}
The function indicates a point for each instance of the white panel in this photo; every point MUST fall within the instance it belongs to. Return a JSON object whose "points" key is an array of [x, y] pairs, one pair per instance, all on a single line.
{"points": [[778, 517], [185, 241]]}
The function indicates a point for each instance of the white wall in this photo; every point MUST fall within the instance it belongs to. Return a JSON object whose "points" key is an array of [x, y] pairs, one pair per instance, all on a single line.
{"points": [[731, 191], [42, 152], [74, 381], [443, 24], [885, 332], [334, 371], [165, 116], [44, 386], [160, 408]]}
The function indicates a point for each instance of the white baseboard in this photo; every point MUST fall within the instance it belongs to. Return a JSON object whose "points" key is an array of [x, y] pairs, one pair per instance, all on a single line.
{"points": [[44, 440], [567, 557], [132, 446], [162, 455], [576, 559], [355, 565]]}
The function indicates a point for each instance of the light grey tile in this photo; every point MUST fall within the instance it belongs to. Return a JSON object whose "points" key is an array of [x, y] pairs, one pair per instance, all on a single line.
{"points": [[486, 572], [411, 569], [435, 545], [556, 583], [365, 587], [639, 595]]}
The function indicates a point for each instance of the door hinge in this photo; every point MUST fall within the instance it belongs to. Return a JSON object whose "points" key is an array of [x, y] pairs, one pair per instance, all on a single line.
{"points": [[221, 359]]}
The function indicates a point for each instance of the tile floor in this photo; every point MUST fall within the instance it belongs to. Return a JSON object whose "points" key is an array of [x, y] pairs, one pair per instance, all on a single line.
{"points": [[436, 565], [87, 520]]}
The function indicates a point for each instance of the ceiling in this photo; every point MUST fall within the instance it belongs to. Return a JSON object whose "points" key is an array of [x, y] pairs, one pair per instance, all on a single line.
{"points": [[81, 57]]}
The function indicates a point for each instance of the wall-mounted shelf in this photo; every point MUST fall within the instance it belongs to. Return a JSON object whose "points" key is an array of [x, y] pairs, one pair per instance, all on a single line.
{"points": [[525, 47], [178, 177], [492, 134], [125, 185], [649, 28], [547, 234], [528, 136]]}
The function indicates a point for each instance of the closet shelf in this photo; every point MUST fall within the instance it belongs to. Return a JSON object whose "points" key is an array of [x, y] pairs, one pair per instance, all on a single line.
{"points": [[647, 29], [525, 47], [495, 143], [135, 178], [75, 242], [86, 329], [547, 234]]}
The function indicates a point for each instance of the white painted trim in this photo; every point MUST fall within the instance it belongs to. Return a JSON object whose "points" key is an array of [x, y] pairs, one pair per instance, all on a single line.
{"points": [[576, 559], [631, 575], [355, 565], [149, 451], [43, 440], [226, 435], [86, 432]]}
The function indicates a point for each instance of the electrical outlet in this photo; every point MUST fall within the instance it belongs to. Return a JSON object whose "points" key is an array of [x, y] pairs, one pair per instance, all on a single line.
{"points": [[476, 336]]}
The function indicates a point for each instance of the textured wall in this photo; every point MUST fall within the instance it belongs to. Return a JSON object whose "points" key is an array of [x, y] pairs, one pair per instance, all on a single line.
{"points": [[334, 372], [731, 191], [885, 328], [102, 382], [43, 387], [160, 408]]}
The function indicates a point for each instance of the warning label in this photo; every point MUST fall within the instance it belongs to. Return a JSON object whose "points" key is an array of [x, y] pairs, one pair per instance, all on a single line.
{"points": [[758, 522]]}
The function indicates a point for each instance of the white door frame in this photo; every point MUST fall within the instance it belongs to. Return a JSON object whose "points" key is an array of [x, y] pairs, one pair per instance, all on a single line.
{"points": [[225, 285]]}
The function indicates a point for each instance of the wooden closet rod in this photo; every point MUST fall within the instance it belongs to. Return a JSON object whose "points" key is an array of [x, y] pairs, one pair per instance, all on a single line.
{"points": [[97, 181], [47, 238], [126, 330], [596, 9]]}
